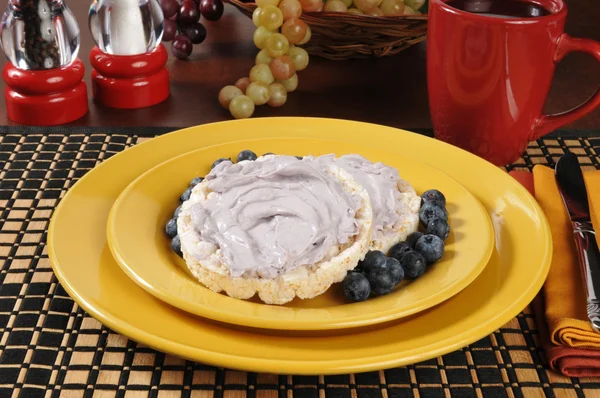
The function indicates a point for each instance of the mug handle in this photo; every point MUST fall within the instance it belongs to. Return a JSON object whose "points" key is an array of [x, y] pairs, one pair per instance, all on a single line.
{"points": [[548, 123]]}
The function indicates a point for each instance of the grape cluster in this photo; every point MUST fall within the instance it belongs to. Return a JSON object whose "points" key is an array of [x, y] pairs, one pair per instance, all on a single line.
{"points": [[181, 25], [279, 32], [374, 7]]}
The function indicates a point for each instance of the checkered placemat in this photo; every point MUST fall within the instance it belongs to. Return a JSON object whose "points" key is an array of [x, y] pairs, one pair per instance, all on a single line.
{"points": [[49, 347]]}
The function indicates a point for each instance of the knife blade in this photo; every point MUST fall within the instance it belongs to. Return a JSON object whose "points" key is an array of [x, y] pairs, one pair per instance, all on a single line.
{"points": [[571, 186]]}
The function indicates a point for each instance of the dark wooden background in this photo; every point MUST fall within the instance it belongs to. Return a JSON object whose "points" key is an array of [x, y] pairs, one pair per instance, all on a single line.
{"points": [[390, 90]]}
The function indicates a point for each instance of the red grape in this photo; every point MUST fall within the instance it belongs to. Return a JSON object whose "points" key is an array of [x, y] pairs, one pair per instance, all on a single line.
{"points": [[283, 67], [196, 32], [182, 46], [313, 5], [211, 9], [189, 13], [242, 83], [294, 30], [169, 30], [290, 9], [169, 7]]}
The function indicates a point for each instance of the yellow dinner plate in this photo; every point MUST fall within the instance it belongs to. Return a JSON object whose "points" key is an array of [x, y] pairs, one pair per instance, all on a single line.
{"points": [[138, 243], [82, 261]]}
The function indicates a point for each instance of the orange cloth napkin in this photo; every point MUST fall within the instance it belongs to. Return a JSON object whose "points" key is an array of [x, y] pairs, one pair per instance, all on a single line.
{"points": [[572, 362], [563, 290]]}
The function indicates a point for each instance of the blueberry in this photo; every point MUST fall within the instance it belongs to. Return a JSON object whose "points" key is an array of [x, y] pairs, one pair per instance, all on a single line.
{"points": [[176, 212], [414, 264], [246, 155], [431, 247], [218, 161], [373, 259], [196, 181], [185, 195], [171, 228], [268, 153], [356, 287], [434, 194], [431, 210], [398, 250], [299, 157], [176, 246], [395, 268], [438, 227], [382, 281], [413, 238]]}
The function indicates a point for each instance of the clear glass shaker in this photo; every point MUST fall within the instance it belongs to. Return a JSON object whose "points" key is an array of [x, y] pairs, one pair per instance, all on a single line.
{"points": [[126, 27], [39, 34]]}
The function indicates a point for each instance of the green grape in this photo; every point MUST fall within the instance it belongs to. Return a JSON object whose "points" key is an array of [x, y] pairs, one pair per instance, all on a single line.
{"points": [[392, 7], [277, 45], [283, 67], [299, 56], [241, 107], [264, 3], [294, 30], [261, 73], [258, 92], [414, 4], [278, 95], [263, 57], [389, 7], [355, 11], [242, 83], [261, 37], [365, 5], [290, 84], [228, 93], [335, 6], [271, 17], [290, 9], [410, 11], [256, 16], [348, 3], [307, 36]]}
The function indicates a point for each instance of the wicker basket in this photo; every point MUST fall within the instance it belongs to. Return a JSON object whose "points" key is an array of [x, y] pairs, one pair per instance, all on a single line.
{"points": [[340, 36]]}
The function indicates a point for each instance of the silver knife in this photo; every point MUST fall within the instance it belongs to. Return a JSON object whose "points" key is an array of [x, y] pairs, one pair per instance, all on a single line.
{"points": [[572, 189]]}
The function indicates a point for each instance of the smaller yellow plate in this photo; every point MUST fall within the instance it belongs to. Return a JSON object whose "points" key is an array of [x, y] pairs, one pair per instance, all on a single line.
{"points": [[139, 245]]}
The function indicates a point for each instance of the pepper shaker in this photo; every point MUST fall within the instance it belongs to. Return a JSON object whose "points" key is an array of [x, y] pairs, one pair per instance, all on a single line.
{"points": [[43, 77], [128, 61]]}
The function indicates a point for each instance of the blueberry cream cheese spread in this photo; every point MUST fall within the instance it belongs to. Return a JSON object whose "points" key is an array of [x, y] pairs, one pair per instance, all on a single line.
{"points": [[279, 227], [273, 216], [395, 202]]}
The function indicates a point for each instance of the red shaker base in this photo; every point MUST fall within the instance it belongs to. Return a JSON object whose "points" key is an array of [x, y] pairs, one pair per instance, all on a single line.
{"points": [[46, 97], [132, 81]]}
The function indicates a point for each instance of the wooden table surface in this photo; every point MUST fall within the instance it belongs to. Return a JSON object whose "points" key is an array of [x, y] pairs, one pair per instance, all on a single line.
{"points": [[390, 90]]}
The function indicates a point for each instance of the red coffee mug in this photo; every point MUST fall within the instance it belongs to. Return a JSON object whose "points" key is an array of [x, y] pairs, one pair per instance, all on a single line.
{"points": [[488, 78]]}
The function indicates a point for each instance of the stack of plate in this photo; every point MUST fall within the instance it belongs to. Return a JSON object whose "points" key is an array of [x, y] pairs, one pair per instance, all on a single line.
{"points": [[108, 249]]}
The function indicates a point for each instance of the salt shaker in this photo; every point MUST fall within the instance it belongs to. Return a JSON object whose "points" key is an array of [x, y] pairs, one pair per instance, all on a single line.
{"points": [[43, 76], [128, 60]]}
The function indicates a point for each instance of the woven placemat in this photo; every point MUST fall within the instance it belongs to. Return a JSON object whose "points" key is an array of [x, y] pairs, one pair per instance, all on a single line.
{"points": [[49, 347]]}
